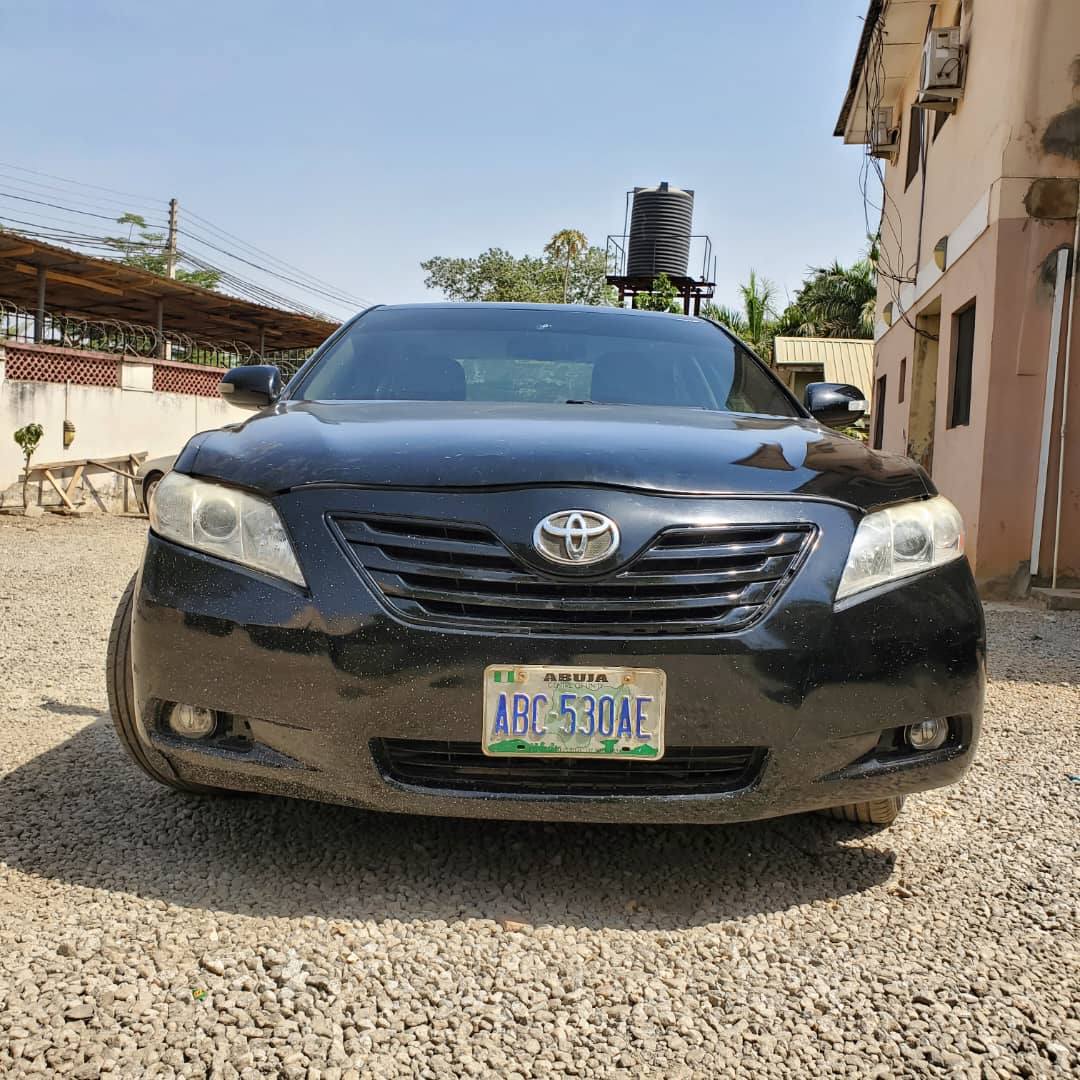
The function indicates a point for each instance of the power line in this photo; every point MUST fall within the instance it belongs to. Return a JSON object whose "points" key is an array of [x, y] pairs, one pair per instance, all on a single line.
{"points": [[27, 186], [22, 187], [76, 183], [341, 298], [251, 290], [243, 244], [110, 248], [58, 206]]}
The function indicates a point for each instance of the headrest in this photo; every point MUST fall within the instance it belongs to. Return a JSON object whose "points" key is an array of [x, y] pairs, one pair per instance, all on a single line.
{"points": [[633, 379], [423, 378]]}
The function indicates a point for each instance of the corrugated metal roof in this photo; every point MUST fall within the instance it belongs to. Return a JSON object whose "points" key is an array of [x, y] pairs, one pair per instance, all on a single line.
{"points": [[846, 360]]}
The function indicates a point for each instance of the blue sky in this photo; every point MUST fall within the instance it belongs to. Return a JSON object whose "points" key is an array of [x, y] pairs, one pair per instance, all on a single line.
{"points": [[355, 139]]}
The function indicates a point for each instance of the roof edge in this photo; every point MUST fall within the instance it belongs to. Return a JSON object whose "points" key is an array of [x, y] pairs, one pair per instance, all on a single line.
{"points": [[873, 14]]}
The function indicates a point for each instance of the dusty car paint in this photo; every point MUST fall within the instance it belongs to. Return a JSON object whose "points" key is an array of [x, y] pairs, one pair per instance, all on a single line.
{"points": [[324, 681]]}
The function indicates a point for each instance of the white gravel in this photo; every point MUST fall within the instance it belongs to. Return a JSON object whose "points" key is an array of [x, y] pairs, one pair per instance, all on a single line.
{"points": [[148, 933]]}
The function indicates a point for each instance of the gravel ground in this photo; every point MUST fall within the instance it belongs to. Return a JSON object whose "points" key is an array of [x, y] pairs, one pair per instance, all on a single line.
{"points": [[147, 933]]}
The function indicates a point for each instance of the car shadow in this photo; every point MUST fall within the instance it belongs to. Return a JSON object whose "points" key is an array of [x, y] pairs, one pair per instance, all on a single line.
{"points": [[82, 814], [61, 708]]}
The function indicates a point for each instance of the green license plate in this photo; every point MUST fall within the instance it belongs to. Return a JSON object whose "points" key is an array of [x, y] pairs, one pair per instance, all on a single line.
{"points": [[573, 712]]}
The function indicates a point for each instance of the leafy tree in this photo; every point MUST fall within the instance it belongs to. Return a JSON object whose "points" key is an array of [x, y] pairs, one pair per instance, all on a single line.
{"points": [[565, 246], [833, 301], [148, 253], [28, 438], [664, 296], [756, 323], [838, 301], [496, 275], [730, 317]]}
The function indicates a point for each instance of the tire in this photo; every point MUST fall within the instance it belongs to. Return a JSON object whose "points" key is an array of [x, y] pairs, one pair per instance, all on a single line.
{"points": [[148, 486], [874, 812], [118, 681]]}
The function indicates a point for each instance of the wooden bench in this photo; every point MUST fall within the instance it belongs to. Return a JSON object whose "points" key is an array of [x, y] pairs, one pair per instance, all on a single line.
{"points": [[125, 465]]}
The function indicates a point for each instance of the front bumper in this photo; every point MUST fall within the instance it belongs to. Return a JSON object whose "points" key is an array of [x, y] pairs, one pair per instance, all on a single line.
{"points": [[321, 677]]}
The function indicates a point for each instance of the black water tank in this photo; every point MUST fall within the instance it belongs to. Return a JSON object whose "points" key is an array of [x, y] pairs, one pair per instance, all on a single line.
{"points": [[660, 227]]}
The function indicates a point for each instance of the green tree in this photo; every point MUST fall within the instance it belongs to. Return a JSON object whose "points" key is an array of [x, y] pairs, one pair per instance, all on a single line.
{"points": [[730, 317], [664, 296], [565, 246], [496, 275], [833, 301], [28, 438], [148, 253], [838, 301], [756, 323]]}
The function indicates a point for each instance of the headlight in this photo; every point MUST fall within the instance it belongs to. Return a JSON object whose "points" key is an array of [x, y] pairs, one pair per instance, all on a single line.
{"points": [[902, 540], [224, 522]]}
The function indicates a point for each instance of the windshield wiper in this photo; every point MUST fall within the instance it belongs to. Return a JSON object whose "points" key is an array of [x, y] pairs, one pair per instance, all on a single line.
{"points": [[626, 404]]}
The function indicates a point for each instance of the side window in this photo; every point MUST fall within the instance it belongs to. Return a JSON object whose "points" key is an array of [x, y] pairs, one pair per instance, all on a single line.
{"points": [[754, 390], [963, 358], [903, 382], [914, 145], [879, 412]]}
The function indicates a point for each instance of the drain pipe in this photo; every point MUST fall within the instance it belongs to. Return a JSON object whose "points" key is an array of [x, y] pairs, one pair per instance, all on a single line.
{"points": [[1048, 410], [1065, 391]]}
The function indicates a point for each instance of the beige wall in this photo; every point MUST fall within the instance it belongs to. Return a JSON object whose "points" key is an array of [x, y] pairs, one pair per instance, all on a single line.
{"points": [[109, 421], [1021, 107]]}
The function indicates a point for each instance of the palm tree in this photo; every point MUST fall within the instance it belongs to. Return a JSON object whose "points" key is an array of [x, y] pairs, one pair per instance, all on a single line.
{"points": [[838, 301], [756, 322], [566, 245], [758, 295], [730, 317]]}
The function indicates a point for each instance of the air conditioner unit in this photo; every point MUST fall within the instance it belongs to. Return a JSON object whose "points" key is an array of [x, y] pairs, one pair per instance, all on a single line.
{"points": [[941, 76], [884, 136]]}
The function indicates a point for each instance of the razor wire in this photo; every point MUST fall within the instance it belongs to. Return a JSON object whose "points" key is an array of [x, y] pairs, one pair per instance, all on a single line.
{"points": [[140, 340]]}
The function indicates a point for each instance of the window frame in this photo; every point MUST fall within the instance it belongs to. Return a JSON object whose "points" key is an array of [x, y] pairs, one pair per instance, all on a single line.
{"points": [[959, 414], [881, 387], [915, 128]]}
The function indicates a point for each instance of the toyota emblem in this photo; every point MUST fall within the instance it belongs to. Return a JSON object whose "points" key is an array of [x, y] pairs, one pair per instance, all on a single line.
{"points": [[576, 537]]}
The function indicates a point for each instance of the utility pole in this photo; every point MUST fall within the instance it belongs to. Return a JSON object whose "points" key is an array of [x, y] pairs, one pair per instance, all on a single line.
{"points": [[170, 246]]}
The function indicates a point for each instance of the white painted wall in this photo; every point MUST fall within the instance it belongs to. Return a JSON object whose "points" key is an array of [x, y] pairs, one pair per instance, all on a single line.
{"points": [[108, 421]]}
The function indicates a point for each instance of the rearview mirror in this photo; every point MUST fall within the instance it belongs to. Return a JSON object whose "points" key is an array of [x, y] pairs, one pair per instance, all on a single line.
{"points": [[835, 404], [253, 386]]}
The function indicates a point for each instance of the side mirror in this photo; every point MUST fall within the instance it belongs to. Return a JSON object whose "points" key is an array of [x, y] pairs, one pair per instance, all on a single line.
{"points": [[253, 386], [835, 404]]}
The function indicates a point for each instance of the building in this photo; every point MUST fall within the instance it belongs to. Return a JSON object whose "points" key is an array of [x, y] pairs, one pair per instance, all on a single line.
{"points": [[802, 360], [978, 333]]}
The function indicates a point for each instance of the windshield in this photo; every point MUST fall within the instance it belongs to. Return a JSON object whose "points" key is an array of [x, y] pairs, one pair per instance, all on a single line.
{"points": [[541, 355]]}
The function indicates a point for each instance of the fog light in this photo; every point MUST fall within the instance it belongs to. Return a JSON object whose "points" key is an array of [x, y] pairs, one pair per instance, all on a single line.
{"points": [[928, 734], [192, 722]]}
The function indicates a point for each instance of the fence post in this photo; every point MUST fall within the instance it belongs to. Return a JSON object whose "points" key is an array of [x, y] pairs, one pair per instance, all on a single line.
{"points": [[39, 319]]}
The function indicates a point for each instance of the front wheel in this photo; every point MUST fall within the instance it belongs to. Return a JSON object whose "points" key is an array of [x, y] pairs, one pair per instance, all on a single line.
{"points": [[874, 812], [122, 695], [149, 487]]}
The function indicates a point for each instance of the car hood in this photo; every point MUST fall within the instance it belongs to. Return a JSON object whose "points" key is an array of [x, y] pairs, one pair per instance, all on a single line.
{"points": [[495, 444]]}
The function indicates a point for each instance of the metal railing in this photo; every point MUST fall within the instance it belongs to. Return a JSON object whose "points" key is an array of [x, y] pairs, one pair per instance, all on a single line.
{"points": [[135, 339]]}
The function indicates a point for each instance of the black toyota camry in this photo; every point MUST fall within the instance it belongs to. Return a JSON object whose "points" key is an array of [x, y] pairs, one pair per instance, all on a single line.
{"points": [[527, 561]]}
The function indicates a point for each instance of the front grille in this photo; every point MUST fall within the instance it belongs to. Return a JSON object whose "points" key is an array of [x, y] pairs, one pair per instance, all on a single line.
{"points": [[463, 766], [689, 581]]}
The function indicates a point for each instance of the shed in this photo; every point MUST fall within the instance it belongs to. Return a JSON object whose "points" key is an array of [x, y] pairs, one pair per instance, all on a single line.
{"points": [[802, 360]]}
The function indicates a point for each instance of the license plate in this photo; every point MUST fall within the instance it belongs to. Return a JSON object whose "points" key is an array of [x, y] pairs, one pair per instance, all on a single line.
{"points": [[614, 712]]}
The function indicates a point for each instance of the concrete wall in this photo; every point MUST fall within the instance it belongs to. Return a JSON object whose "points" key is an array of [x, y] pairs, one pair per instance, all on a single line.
{"points": [[109, 421], [1002, 183]]}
